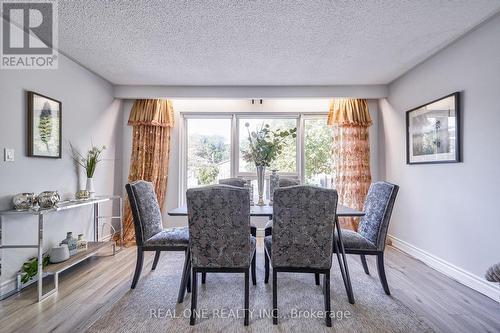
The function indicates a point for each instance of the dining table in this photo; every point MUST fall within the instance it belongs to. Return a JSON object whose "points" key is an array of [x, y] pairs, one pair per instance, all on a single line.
{"points": [[342, 211]]}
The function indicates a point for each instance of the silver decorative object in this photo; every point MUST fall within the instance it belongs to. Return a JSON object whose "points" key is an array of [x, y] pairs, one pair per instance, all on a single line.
{"points": [[48, 199], [82, 195], [274, 179], [24, 201], [261, 171]]}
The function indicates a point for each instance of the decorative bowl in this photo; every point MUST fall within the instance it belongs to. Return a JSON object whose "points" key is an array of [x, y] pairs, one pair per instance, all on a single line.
{"points": [[59, 253], [23, 201], [48, 199]]}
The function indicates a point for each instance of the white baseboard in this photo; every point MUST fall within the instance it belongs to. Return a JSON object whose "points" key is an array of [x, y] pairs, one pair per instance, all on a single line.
{"points": [[468, 279]]}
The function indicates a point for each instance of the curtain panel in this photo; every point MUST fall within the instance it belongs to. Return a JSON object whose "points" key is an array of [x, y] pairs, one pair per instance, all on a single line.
{"points": [[350, 121], [152, 121]]}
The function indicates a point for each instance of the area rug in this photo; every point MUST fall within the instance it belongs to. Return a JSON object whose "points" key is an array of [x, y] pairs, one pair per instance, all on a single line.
{"points": [[152, 306]]}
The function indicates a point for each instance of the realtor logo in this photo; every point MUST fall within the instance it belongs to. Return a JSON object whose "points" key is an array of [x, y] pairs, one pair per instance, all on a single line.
{"points": [[29, 34]]}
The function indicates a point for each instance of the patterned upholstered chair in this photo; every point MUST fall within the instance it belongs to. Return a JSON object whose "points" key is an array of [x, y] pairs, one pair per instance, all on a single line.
{"points": [[238, 182], [149, 232], [282, 182], [372, 229], [302, 236], [220, 239], [286, 182]]}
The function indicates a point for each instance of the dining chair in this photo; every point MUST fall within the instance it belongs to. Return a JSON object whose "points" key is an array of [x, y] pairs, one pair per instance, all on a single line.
{"points": [[150, 234], [282, 182], [220, 239], [372, 230], [301, 239]]}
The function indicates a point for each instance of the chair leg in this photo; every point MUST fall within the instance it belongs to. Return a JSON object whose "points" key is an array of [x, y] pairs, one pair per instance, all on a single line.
{"points": [[275, 297], [381, 273], [194, 288], [155, 261], [203, 278], [316, 278], [138, 267], [365, 265], [184, 279], [247, 295], [254, 276], [188, 273], [328, 305], [266, 267]]}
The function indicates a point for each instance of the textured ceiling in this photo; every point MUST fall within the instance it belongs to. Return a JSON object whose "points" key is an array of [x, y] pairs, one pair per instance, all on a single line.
{"points": [[261, 42]]}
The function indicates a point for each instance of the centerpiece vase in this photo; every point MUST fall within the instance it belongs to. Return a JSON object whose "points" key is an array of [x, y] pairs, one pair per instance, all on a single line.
{"points": [[261, 171]]}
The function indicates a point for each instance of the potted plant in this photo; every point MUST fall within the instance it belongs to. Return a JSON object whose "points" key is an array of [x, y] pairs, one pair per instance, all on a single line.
{"points": [[265, 145], [89, 163]]}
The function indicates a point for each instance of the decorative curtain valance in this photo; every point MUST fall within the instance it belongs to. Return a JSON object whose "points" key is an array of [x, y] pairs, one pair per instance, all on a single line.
{"points": [[349, 111], [152, 112], [152, 121]]}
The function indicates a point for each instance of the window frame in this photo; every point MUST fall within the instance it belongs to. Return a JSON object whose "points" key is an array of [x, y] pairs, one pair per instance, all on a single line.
{"points": [[300, 117]]}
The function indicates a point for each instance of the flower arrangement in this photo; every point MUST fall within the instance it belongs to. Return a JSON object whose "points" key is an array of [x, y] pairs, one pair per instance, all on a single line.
{"points": [[265, 144], [90, 160]]}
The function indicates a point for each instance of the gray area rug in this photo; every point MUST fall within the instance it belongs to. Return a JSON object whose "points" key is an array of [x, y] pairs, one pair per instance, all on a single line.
{"points": [[152, 306]]}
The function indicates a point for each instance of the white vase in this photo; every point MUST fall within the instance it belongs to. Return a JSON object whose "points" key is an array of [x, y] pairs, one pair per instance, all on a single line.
{"points": [[90, 186]]}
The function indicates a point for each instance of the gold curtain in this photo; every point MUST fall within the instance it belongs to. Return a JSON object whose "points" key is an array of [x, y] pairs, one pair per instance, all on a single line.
{"points": [[350, 121], [152, 120]]}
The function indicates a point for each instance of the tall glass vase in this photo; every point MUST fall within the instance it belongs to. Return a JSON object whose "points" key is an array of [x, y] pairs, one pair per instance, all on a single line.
{"points": [[261, 171]]}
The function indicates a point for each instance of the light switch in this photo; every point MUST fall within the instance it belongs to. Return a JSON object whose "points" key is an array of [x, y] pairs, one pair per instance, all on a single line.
{"points": [[9, 155]]}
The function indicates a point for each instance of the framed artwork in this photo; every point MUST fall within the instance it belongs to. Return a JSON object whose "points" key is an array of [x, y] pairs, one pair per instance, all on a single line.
{"points": [[433, 132], [44, 126]]}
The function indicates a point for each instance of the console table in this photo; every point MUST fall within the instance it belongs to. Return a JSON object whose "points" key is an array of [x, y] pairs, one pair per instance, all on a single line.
{"points": [[93, 247]]}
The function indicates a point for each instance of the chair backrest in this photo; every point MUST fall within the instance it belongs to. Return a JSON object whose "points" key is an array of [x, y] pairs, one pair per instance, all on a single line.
{"points": [[285, 182], [378, 209], [238, 182], [303, 219], [219, 226], [145, 210]]}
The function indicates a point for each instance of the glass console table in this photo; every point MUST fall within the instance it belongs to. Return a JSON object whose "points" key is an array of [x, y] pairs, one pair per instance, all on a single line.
{"points": [[93, 246]]}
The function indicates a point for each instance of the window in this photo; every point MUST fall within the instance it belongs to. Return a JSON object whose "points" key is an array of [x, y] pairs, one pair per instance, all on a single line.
{"points": [[317, 152], [212, 145], [208, 151]]}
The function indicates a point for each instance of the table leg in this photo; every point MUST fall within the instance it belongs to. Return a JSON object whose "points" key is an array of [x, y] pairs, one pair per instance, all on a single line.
{"points": [[40, 257], [344, 269]]}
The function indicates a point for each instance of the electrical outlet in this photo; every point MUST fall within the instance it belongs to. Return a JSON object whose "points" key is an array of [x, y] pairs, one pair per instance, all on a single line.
{"points": [[8, 155]]}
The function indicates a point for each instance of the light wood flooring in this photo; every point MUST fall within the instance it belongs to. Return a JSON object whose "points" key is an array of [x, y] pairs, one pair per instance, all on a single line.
{"points": [[89, 289]]}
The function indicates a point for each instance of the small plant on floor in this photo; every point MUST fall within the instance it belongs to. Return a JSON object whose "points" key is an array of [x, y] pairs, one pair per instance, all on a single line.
{"points": [[30, 268]]}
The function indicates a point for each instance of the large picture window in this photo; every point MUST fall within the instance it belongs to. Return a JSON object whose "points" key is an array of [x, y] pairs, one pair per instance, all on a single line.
{"points": [[212, 145], [208, 151]]}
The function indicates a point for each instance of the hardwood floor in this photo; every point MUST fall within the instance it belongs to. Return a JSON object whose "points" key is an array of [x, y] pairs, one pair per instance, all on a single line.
{"points": [[92, 287]]}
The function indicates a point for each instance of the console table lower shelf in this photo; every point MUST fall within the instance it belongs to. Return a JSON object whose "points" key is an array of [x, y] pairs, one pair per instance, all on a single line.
{"points": [[56, 269]]}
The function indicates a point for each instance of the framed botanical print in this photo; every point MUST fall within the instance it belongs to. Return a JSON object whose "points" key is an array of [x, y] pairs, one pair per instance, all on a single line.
{"points": [[44, 126], [433, 132]]}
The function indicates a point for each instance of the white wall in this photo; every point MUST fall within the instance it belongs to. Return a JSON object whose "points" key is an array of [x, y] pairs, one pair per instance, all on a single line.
{"points": [[89, 112], [231, 105], [450, 211]]}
